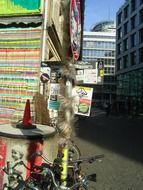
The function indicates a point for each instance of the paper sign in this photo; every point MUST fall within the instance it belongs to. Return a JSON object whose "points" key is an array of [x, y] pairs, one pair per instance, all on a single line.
{"points": [[85, 99]]}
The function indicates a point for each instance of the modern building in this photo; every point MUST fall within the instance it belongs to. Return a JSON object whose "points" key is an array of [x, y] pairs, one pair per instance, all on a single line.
{"points": [[129, 55], [99, 46]]}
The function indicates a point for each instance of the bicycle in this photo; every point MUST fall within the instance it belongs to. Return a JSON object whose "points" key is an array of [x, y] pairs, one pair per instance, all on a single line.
{"points": [[50, 174], [15, 179], [47, 176]]}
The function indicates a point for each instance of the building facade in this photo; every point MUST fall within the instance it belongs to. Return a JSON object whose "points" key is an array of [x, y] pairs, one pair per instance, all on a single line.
{"points": [[129, 56], [99, 46], [33, 35]]}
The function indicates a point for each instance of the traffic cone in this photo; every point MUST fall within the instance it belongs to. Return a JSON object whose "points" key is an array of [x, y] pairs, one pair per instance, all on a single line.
{"points": [[27, 121]]}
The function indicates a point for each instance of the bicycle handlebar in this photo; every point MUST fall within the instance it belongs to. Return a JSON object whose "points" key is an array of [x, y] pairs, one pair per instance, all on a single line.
{"points": [[89, 159]]}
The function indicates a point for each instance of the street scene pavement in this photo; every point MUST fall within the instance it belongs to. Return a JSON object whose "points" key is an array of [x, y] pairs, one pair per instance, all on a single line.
{"points": [[120, 139]]}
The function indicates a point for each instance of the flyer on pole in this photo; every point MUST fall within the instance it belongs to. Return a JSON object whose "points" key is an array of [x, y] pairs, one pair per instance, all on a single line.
{"points": [[85, 99]]}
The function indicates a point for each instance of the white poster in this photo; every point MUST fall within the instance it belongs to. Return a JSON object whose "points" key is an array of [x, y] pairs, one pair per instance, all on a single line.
{"points": [[53, 102], [85, 100], [90, 76]]}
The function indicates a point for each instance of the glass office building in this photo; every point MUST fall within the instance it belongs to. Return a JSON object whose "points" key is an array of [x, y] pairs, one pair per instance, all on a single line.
{"points": [[99, 45], [129, 56]]}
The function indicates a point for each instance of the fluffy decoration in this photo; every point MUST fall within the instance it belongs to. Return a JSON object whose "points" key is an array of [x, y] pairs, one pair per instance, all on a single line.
{"points": [[65, 130], [65, 102], [66, 113], [68, 73]]}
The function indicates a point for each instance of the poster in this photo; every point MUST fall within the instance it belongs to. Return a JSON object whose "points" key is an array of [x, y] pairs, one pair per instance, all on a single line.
{"points": [[75, 28], [85, 100], [90, 76], [3, 151], [53, 102]]}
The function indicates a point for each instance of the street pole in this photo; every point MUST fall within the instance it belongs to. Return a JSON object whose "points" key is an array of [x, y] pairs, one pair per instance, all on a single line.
{"points": [[45, 16]]}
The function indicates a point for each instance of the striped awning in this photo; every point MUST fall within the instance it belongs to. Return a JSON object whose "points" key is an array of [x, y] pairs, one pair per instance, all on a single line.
{"points": [[21, 19]]}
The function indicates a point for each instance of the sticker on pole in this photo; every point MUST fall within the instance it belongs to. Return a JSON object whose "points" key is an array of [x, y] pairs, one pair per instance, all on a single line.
{"points": [[53, 102]]}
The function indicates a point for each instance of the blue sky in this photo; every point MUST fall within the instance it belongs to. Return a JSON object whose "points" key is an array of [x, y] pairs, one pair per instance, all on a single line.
{"points": [[99, 10]]}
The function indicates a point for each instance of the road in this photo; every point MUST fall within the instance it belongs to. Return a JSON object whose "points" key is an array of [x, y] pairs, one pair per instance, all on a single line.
{"points": [[121, 141]]}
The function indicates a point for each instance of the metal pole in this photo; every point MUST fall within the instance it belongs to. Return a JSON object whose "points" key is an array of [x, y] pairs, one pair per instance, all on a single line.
{"points": [[45, 16], [64, 172]]}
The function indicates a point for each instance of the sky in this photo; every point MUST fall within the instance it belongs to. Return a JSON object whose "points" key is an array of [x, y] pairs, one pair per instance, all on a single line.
{"points": [[100, 10]]}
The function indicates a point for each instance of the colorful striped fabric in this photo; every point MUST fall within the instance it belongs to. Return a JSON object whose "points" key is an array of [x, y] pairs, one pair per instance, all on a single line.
{"points": [[19, 70], [14, 7]]}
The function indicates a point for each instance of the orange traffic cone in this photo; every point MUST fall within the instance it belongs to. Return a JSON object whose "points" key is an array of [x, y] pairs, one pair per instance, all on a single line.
{"points": [[27, 114], [27, 121]]}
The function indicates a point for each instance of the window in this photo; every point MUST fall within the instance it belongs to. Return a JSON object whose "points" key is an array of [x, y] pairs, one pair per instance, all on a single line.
{"points": [[88, 44], [126, 11], [118, 64], [112, 70], [141, 55], [109, 53], [113, 62], [125, 61], [133, 40], [119, 48], [125, 43], [125, 28], [133, 5], [133, 58], [133, 22], [141, 16], [99, 36], [119, 18], [119, 33], [141, 35]]}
